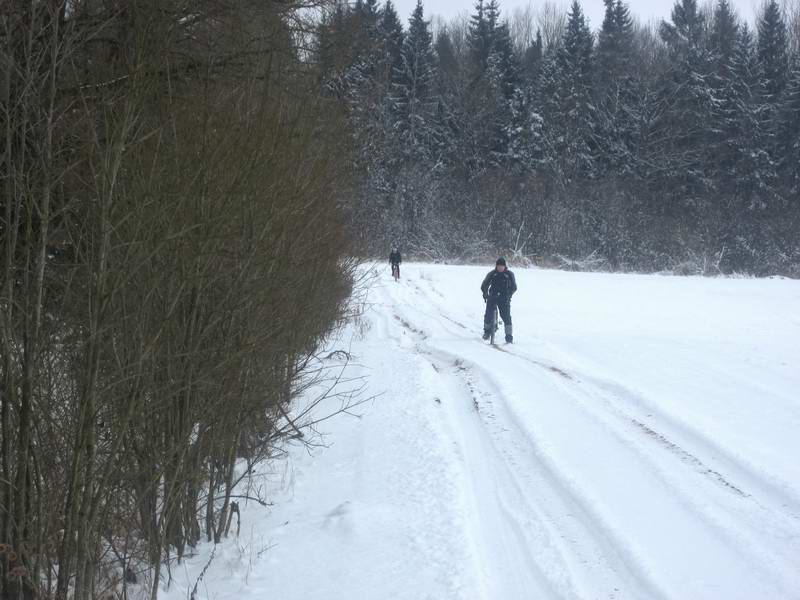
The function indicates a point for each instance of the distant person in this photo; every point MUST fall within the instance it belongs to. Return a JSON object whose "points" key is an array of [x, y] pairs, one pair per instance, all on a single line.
{"points": [[498, 286], [395, 259]]}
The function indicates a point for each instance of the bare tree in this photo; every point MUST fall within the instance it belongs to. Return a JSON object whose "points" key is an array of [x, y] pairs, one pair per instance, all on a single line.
{"points": [[522, 27], [551, 19], [792, 11]]}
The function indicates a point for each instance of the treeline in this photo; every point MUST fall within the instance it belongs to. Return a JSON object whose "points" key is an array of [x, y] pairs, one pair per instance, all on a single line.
{"points": [[172, 254], [638, 147]]}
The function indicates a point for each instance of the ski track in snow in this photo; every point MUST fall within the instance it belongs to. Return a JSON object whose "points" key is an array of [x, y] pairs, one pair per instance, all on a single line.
{"points": [[734, 531]]}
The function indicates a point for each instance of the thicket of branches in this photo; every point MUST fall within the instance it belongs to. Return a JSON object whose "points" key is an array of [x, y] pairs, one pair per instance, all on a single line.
{"points": [[172, 255], [639, 147]]}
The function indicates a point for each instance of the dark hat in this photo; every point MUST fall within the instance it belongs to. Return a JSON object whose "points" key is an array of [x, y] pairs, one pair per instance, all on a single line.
{"points": [[501, 261]]}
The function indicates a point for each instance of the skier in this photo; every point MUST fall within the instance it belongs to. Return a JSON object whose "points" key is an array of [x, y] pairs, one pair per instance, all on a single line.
{"points": [[498, 286], [395, 259]]}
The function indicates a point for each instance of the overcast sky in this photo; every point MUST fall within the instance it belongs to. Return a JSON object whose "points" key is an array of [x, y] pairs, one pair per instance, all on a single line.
{"points": [[645, 10]]}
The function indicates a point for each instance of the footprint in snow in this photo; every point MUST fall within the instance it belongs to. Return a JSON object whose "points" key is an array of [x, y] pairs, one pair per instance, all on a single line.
{"points": [[337, 516]]}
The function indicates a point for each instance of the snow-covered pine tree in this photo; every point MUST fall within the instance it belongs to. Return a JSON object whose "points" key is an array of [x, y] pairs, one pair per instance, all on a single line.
{"points": [[492, 80], [615, 90], [526, 142], [415, 90], [576, 52], [723, 126], [773, 51], [614, 45], [565, 100], [788, 217], [415, 144], [376, 36], [744, 173], [502, 77], [723, 37], [789, 140], [687, 99], [453, 135], [773, 61], [502, 48], [487, 35], [479, 39], [685, 32], [749, 127], [526, 150], [392, 36], [367, 85]]}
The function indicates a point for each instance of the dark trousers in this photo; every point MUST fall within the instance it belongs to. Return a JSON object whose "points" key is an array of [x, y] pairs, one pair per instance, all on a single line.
{"points": [[396, 266], [504, 304]]}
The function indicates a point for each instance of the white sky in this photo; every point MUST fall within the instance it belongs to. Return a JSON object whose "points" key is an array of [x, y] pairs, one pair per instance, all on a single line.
{"points": [[645, 10]]}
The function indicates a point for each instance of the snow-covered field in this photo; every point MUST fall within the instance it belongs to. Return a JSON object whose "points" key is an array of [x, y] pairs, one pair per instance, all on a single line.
{"points": [[641, 439]]}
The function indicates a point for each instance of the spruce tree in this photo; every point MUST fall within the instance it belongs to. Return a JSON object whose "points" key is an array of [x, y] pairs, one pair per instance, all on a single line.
{"points": [[745, 173], [753, 173], [493, 75], [614, 44], [371, 106], [789, 139], [576, 52], [448, 93], [526, 145], [479, 39], [723, 38], [616, 91], [686, 30], [502, 53], [365, 18], [415, 90], [687, 94], [773, 50], [565, 99], [727, 91], [773, 62], [391, 32]]}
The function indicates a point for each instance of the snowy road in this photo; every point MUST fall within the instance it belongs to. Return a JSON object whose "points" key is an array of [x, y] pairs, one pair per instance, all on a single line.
{"points": [[640, 440]]}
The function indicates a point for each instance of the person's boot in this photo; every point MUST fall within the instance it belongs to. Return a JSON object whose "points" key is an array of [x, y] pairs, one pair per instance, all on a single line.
{"points": [[487, 334], [509, 339], [509, 334]]}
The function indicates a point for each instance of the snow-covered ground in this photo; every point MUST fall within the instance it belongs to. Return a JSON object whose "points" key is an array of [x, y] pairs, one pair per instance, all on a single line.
{"points": [[641, 439]]}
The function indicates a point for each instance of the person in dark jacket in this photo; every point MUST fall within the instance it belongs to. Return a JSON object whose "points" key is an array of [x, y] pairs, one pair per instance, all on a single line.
{"points": [[498, 286], [395, 259]]}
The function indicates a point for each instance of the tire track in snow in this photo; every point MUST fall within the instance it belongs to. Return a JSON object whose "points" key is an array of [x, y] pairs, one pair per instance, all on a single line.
{"points": [[573, 529], [508, 570], [738, 520], [636, 408], [629, 406], [462, 576], [740, 479], [510, 546], [587, 544]]}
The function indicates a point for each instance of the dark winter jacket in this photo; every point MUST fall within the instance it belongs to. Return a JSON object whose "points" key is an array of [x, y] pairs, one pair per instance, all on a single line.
{"points": [[395, 258], [499, 284]]}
